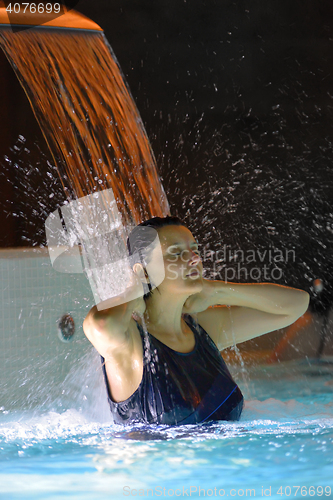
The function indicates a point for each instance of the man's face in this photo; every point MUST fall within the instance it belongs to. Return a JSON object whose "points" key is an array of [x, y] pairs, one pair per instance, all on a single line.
{"points": [[182, 263]]}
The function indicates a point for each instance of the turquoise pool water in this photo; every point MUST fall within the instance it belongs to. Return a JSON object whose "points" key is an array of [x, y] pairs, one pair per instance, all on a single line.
{"points": [[282, 447]]}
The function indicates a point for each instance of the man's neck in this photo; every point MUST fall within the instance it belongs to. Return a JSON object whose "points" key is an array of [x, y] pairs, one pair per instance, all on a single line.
{"points": [[164, 316]]}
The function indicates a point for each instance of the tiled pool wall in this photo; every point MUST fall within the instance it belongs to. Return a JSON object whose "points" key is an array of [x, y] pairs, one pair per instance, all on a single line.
{"points": [[34, 361]]}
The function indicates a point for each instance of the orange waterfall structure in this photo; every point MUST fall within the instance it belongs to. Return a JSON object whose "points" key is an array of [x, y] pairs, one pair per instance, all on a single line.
{"points": [[67, 19], [84, 109]]}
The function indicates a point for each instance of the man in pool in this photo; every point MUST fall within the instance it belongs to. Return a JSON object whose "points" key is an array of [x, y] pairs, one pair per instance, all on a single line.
{"points": [[175, 374]]}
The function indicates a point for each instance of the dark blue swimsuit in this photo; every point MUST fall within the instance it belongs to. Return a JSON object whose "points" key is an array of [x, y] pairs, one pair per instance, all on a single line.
{"points": [[180, 388]]}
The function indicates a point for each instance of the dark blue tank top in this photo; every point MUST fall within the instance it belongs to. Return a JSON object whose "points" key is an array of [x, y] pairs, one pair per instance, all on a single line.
{"points": [[180, 388]]}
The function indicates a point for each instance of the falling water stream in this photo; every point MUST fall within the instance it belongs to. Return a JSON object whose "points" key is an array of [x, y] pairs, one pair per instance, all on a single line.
{"points": [[88, 117]]}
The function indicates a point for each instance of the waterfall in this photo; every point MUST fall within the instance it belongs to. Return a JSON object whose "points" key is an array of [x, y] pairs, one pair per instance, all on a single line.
{"points": [[88, 117]]}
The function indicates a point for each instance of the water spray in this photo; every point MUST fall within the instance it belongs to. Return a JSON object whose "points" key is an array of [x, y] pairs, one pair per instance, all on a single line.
{"points": [[87, 236]]}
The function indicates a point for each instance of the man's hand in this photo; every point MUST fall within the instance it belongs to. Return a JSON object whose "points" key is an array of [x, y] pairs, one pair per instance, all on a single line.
{"points": [[199, 302]]}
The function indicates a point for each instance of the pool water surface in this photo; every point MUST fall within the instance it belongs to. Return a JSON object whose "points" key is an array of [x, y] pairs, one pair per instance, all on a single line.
{"points": [[281, 448]]}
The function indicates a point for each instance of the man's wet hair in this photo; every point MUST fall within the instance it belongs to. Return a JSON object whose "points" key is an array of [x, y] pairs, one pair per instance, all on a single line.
{"points": [[139, 241]]}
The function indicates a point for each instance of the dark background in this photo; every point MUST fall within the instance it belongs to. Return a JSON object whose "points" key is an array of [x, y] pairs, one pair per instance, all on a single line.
{"points": [[237, 100]]}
